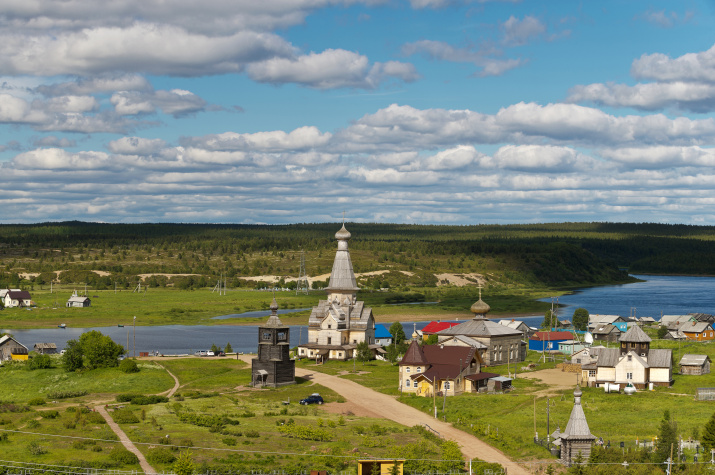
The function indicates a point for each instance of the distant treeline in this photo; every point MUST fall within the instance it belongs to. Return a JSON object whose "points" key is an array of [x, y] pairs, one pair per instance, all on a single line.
{"points": [[553, 254]]}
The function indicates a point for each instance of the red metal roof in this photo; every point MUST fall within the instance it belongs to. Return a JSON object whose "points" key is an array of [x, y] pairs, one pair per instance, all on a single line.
{"points": [[545, 336], [434, 327]]}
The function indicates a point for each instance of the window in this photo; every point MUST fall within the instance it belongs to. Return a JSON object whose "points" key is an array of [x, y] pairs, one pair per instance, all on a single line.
{"points": [[419, 369], [281, 335], [591, 373], [629, 375], [330, 326], [407, 369], [330, 340], [446, 385], [266, 335], [630, 357], [578, 360], [407, 383]]}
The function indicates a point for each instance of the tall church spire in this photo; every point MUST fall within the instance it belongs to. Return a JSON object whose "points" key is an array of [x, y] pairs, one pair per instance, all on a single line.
{"points": [[342, 278]]}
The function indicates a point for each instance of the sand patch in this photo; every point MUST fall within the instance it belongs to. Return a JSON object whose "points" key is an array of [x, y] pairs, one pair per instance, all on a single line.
{"points": [[460, 280], [145, 276]]}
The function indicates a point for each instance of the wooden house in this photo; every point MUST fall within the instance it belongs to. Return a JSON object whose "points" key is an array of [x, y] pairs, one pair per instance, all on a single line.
{"points": [[608, 333], [45, 348], [381, 467], [525, 329], [698, 331], [273, 366], [17, 298], [382, 336], [596, 320], [11, 349], [695, 364], [548, 341], [78, 301], [674, 322], [438, 368]]}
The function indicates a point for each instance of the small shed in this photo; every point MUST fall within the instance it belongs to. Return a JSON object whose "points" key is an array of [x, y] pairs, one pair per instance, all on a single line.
{"points": [[695, 364], [500, 383], [45, 348], [380, 467], [78, 301]]}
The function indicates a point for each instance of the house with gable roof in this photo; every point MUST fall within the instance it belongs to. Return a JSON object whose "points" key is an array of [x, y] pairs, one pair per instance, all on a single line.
{"points": [[337, 324], [697, 331], [634, 362], [440, 368], [17, 298], [595, 320], [433, 328], [503, 344]]}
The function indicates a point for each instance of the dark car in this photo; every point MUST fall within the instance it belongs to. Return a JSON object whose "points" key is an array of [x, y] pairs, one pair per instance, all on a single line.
{"points": [[314, 398]]}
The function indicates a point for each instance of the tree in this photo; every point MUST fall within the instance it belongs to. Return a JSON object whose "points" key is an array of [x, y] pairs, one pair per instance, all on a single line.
{"points": [[184, 464], [392, 353], [452, 459], [708, 436], [667, 438], [549, 318], [215, 349], [363, 352], [72, 359], [228, 348], [99, 350], [398, 335], [662, 331], [433, 339], [40, 362], [580, 319]]}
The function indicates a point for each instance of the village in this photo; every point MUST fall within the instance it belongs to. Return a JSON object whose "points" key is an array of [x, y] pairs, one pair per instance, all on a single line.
{"points": [[473, 356]]}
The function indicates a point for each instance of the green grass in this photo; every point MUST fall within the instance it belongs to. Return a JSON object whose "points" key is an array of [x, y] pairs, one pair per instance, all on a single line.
{"points": [[26, 385]]}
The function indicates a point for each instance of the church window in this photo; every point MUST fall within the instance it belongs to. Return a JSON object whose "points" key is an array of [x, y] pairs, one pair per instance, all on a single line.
{"points": [[629, 375], [266, 335], [630, 357], [419, 369], [407, 383], [330, 326], [407, 369], [281, 335]]}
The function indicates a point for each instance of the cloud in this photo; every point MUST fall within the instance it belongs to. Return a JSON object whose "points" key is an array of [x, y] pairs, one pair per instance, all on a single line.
{"points": [[176, 102], [665, 19], [94, 85], [136, 146], [57, 159], [301, 139], [140, 47], [520, 32], [54, 142], [690, 67], [333, 68]]}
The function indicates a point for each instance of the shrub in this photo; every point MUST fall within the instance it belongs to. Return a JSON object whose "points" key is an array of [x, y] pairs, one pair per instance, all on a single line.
{"points": [[160, 455], [129, 366], [96, 448], [230, 441], [69, 424], [122, 456], [35, 448], [186, 443], [37, 401], [33, 424], [49, 414], [95, 418], [140, 399], [3, 437], [40, 362], [305, 432], [124, 416], [253, 433], [65, 394]]}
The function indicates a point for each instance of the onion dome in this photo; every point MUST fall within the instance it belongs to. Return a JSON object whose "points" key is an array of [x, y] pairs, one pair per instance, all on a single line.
{"points": [[274, 305], [480, 307], [343, 234]]}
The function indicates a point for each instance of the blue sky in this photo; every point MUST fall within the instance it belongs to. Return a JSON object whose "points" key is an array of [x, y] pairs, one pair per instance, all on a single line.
{"points": [[421, 111]]}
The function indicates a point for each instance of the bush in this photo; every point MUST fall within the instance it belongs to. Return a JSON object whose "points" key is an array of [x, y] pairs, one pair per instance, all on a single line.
{"points": [[95, 418], [230, 441], [140, 399], [122, 456], [37, 401], [129, 366], [124, 416], [32, 424], [160, 455], [252, 433], [39, 362], [35, 448], [49, 414], [66, 394]]}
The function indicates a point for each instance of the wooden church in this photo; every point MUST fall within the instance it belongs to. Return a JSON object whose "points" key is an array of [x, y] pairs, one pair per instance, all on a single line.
{"points": [[273, 366]]}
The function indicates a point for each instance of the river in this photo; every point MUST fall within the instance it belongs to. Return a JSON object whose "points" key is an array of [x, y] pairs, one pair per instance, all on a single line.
{"points": [[671, 295]]}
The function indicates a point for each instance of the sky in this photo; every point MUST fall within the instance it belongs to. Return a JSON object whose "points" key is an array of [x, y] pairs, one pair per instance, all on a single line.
{"points": [[393, 111]]}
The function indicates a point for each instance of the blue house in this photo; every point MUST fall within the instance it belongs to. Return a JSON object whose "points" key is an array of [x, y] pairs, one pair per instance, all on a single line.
{"points": [[548, 341], [382, 336]]}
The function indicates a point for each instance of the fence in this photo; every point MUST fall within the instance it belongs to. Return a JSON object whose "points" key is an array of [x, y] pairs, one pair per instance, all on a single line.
{"points": [[705, 394]]}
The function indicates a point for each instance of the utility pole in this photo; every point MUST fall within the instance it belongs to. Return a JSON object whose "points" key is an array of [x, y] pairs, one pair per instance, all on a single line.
{"points": [[548, 430], [135, 336]]}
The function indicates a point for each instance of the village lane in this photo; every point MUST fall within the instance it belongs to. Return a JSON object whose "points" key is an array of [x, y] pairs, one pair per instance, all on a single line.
{"points": [[388, 408], [126, 442]]}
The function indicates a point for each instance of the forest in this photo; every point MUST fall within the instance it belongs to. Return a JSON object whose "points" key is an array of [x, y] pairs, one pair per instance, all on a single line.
{"points": [[553, 255]]}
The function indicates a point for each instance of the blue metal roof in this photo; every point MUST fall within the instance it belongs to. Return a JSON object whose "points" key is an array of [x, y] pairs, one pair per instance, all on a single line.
{"points": [[381, 332]]}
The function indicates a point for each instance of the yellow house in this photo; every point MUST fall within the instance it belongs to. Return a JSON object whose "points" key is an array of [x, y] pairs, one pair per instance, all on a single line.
{"points": [[380, 467]]}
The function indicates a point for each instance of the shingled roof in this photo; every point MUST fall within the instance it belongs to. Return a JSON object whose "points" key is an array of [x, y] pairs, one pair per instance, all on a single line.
{"points": [[342, 277], [414, 356], [635, 335], [577, 427]]}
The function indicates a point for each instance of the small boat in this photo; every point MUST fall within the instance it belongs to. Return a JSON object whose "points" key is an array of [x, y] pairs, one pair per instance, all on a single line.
{"points": [[62, 325], [120, 325]]}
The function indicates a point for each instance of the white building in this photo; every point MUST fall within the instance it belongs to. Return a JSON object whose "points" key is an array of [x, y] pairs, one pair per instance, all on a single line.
{"points": [[337, 324]]}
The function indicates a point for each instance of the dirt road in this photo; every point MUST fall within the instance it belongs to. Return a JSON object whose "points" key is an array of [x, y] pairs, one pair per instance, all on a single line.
{"points": [[128, 444], [556, 379], [387, 407]]}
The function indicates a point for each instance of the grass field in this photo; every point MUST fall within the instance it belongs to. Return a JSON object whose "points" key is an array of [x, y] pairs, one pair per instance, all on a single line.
{"points": [[162, 306]]}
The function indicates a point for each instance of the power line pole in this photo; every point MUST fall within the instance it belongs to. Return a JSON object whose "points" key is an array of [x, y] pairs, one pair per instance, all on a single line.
{"points": [[301, 286]]}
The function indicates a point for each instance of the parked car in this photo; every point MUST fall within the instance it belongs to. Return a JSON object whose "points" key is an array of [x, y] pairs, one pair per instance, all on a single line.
{"points": [[210, 353], [314, 398], [221, 353], [201, 353]]}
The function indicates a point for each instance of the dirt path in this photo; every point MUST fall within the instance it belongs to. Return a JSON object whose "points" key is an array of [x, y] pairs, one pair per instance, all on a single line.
{"points": [[556, 379], [128, 444], [387, 407], [171, 391]]}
